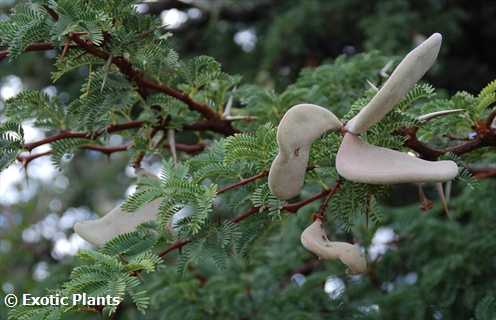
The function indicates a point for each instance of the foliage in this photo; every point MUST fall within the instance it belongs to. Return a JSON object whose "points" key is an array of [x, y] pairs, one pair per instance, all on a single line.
{"points": [[236, 249]]}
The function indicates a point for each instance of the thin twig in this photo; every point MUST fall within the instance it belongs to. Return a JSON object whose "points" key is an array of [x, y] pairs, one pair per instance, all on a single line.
{"points": [[292, 208]]}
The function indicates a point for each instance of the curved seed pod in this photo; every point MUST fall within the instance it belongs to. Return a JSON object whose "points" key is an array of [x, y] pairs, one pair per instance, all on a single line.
{"points": [[442, 113], [409, 71], [116, 222], [361, 162], [300, 126], [315, 240]]}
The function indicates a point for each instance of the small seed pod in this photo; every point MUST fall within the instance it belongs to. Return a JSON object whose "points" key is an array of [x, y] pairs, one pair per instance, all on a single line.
{"points": [[409, 71], [314, 239], [116, 222], [359, 161], [301, 125]]}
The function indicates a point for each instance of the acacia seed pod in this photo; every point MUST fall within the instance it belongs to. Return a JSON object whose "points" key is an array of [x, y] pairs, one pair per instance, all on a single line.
{"points": [[407, 73], [361, 162], [116, 222], [301, 125], [314, 239]]}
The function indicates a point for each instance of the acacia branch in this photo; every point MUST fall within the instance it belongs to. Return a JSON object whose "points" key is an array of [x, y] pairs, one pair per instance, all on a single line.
{"points": [[42, 46], [26, 159], [215, 122], [486, 137], [243, 182], [482, 173], [292, 208], [84, 135]]}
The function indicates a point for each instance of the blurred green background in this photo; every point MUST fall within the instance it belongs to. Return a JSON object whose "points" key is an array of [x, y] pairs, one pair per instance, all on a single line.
{"points": [[269, 42]]}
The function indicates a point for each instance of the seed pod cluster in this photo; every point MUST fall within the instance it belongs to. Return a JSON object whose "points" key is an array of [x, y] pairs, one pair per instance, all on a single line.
{"points": [[356, 160]]}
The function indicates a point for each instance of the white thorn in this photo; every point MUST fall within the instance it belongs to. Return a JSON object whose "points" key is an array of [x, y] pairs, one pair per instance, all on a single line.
{"points": [[171, 135], [385, 69], [429, 116], [372, 86], [439, 188], [227, 110]]}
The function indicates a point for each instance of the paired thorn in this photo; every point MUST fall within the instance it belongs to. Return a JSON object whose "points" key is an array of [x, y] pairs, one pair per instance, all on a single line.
{"points": [[440, 191]]}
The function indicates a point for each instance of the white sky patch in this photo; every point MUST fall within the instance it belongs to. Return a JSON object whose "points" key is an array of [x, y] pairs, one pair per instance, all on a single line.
{"points": [[381, 242], [194, 13], [8, 287], [42, 169], [130, 190], [33, 134], [51, 91], [53, 227], [69, 246], [371, 308], [173, 18], [246, 39], [14, 187], [10, 87], [141, 8], [334, 287], [40, 271], [298, 279]]}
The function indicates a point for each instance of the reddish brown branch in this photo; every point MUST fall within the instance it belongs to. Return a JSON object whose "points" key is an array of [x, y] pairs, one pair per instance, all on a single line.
{"points": [[43, 46], [243, 182], [107, 150], [482, 173], [189, 148], [25, 160], [175, 246], [292, 208], [491, 118], [484, 138], [84, 135], [214, 120], [245, 215]]}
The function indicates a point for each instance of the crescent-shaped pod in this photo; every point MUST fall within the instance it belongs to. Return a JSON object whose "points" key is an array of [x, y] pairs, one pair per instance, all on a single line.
{"points": [[359, 161], [409, 71], [301, 125], [314, 239], [116, 222]]}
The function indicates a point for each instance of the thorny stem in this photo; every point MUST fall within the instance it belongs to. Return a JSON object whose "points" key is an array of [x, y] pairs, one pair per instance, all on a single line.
{"points": [[486, 137], [291, 208], [214, 120], [325, 202], [243, 182], [84, 135]]}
